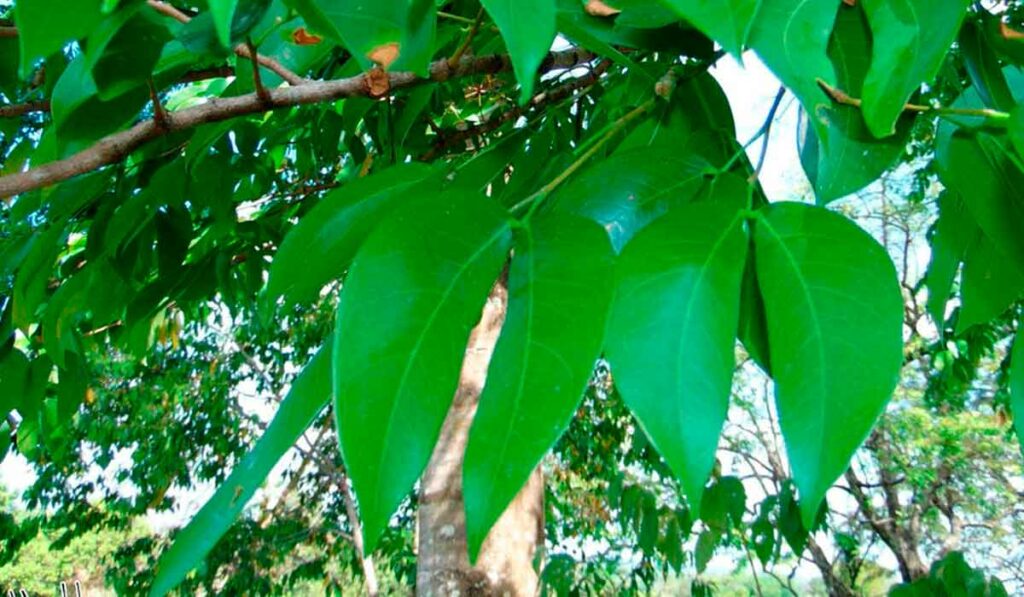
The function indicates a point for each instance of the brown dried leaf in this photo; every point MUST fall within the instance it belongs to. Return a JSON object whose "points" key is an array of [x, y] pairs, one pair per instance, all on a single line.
{"points": [[598, 8], [384, 55], [302, 37], [1009, 34]]}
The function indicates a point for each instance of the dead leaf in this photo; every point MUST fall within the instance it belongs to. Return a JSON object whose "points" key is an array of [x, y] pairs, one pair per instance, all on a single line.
{"points": [[597, 8], [850, 2], [1008, 33], [377, 83], [302, 37], [384, 55]]}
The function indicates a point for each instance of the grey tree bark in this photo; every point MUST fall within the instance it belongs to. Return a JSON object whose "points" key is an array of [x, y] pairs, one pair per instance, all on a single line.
{"points": [[505, 565]]}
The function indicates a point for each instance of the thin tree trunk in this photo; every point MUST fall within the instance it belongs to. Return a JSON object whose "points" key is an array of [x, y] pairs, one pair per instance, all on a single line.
{"points": [[505, 565]]}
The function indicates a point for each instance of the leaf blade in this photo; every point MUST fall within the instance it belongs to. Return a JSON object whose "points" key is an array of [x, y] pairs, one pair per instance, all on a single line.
{"points": [[528, 27]]}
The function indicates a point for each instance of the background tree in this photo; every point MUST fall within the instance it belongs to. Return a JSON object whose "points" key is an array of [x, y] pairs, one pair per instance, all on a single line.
{"points": [[414, 229]]}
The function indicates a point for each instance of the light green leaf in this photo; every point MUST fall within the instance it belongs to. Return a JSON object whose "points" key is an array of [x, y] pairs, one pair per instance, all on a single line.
{"points": [[1017, 383], [791, 37], [394, 34], [911, 38], [223, 13], [411, 297], [835, 320], [308, 395], [991, 283], [46, 26], [559, 292], [672, 332], [528, 27], [726, 21], [334, 229]]}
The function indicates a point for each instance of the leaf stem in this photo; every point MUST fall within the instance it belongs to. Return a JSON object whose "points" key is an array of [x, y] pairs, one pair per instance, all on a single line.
{"points": [[454, 60], [841, 97]]}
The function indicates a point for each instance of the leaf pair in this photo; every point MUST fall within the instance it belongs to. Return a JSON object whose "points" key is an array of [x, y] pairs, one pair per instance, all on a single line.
{"points": [[833, 312]]}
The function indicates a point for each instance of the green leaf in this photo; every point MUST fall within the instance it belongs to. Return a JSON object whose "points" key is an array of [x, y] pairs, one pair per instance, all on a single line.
{"points": [[1017, 383], [911, 38], [336, 227], [983, 170], [953, 233], [46, 26], [847, 157], [672, 332], [989, 84], [835, 318], [728, 22], [223, 12], [412, 295], [626, 192], [123, 50], [394, 34], [991, 283], [705, 549], [792, 38], [309, 393], [528, 27], [559, 293], [724, 504]]}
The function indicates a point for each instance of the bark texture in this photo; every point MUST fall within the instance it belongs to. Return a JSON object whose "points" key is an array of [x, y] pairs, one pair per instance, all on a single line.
{"points": [[505, 565]]}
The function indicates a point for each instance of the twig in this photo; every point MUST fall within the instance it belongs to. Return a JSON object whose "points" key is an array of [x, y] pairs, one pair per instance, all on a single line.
{"points": [[114, 147], [767, 127], [8, 32], [469, 39], [159, 114], [15, 110], [841, 97], [257, 79], [241, 49]]}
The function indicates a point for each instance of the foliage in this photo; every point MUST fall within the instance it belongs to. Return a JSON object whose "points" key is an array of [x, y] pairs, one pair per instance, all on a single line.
{"points": [[204, 194]]}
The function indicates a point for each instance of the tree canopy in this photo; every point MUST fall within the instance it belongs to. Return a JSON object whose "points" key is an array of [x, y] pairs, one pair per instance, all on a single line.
{"points": [[209, 202]]}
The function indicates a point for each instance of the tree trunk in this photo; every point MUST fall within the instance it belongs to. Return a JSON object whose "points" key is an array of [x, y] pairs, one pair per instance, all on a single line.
{"points": [[505, 565]]}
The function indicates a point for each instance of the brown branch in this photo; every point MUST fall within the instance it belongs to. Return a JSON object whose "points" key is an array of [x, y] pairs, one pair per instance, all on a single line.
{"points": [[8, 32], [841, 97], [241, 49], [117, 146], [15, 110]]}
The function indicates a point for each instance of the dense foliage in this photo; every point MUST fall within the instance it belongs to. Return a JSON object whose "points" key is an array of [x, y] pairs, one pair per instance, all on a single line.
{"points": [[213, 204]]}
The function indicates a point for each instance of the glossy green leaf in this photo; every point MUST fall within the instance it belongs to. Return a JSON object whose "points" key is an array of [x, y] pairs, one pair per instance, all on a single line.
{"points": [[672, 332], [528, 28], [847, 157], [629, 190], [309, 393], [726, 21], [989, 85], [559, 292], [792, 38], [337, 226], [46, 26], [911, 38], [394, 34], [991, 283], [411, 297], [223, 13], [1017, 383], [835, 319]]}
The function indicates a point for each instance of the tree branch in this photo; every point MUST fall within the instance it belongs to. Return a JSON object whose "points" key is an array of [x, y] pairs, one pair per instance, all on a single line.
{"points": [[241, 49], [15, 110], [117, 146], [8, 32]]}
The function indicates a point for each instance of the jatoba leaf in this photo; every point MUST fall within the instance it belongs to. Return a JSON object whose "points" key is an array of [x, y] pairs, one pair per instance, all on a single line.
{"points": [[672, 332], [727, 22], [528, 28], [411, 297], [559, 288], [46, 26], [835, 320]]}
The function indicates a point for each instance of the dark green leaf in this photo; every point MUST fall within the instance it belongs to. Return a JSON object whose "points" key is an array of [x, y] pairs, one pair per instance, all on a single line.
{"points": [[672, 332], [991, 283], [727, 22], [559, 291], [953, 233], [309, 393], [1016, 383], [835, 319], [723, 504], [123, 50], [412, 295], [705, 549]]}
